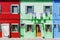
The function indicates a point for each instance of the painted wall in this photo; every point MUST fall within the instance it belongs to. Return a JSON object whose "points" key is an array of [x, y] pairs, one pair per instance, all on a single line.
{"points": [[48, 34], [38, 9], [6, 16], [23, 29], [56, 18]]}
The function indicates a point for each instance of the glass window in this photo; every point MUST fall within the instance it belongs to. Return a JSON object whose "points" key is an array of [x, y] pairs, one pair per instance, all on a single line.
{"points": [[14, 9], [15, 28], [22, 24], [48, 28], [58, 27], [38, 28], [55, 25], [30, 9], [47, 9], [29, 28]]}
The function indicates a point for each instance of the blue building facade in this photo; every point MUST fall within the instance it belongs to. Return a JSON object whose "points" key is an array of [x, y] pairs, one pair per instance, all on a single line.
{"points": [[56, 18]]}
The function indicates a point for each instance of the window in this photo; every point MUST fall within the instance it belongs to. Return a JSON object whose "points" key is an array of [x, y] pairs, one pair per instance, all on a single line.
{"points": [[14, 28], [30, 9], [47, 9], [14, 9], [0, 9], [58, 27], [48, 28], [29, 28], [0, 28], [22, 24], [55, 25], [38, 27]]}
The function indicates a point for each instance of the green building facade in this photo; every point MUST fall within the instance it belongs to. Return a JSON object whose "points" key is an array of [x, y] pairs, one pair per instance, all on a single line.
{"points": [[36, 19]]}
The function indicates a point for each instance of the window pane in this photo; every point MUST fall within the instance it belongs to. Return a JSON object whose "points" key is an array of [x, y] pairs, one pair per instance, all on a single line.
{"points": [[47, 9], [22, 24], [48, 28], [29, 27], [55, 25], [14, 28], [14, 9], [29, 9]]}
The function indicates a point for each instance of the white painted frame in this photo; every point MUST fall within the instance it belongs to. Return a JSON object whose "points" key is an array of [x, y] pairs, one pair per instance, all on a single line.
{"points": [[46, 24], [11, 8], [14, 24]]}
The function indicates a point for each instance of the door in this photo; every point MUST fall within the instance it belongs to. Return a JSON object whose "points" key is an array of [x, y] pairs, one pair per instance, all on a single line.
{"points": [[38, 30], [5, 30], [15, 31]]}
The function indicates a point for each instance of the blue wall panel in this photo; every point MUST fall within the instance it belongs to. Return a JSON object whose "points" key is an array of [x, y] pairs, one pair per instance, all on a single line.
{"points": [[56, 18]]}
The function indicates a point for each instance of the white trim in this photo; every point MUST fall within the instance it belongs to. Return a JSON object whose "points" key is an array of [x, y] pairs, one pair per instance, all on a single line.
{"points": [[5, 24], [32, 9], [22, 23], [48, 24], [14, 24], [11, 8]]}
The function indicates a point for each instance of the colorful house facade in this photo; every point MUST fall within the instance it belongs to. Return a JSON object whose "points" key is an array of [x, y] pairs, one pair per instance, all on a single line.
{"points": [[56, 18], [9, 18], [30, 18], [39, 14]]}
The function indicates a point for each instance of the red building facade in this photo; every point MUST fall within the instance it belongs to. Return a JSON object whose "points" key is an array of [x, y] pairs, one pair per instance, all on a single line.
{"points": [[9, 18]]}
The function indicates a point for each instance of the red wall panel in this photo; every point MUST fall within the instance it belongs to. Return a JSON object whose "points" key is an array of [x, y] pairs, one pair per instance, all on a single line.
{"points": [[9, 21], [6, 14], [15, 35], [7, 17], [0, 34]]}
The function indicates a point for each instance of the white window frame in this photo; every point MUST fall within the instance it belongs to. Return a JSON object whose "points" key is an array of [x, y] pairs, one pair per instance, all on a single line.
{"points": [[32, 9], [22, 23], [45, 9], [26, 27], [14, 24], [47, 24], [14, 5]]}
